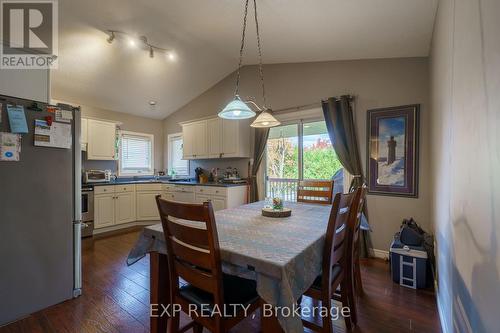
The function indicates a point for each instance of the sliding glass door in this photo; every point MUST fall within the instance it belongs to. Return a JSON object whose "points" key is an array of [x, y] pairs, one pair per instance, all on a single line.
{"points": [[297, 151]]}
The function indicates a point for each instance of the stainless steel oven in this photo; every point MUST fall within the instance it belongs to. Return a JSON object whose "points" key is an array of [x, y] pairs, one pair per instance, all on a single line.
{"points": [[87, 211]]}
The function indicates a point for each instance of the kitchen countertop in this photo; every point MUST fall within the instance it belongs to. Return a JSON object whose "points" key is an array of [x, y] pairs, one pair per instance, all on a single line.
{"points": [[153, 181]]}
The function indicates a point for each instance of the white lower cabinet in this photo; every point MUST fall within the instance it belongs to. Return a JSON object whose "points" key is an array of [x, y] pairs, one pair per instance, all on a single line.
{"points": [[104, 210], [222, 197], [113, 205], [218, 203], [125, 208], [179, 193], [147, 209], [120, 204]]}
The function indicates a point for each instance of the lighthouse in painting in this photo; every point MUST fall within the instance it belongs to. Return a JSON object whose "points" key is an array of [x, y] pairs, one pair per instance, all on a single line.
{"points": [[391, 150]]}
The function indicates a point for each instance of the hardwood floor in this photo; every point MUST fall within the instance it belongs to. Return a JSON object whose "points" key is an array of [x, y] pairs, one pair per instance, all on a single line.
{"points": [[116, 298]]}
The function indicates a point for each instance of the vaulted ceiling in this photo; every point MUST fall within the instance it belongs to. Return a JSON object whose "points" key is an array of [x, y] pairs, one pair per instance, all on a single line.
{"points": [[205, 35]]}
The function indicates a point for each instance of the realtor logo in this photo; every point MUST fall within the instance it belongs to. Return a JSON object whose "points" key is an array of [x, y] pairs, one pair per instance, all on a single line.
{"points": [[29, 34]]}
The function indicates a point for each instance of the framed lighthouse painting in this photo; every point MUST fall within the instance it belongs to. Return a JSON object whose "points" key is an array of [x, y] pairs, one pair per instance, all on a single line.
{"points": [[392, 150]]}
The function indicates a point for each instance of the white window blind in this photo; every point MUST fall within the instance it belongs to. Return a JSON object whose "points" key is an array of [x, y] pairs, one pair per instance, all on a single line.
{"points": [[136, 154], [175, 152]]}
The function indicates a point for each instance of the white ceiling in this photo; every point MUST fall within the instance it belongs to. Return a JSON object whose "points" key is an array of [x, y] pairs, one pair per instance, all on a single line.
{"points": [[206, 34]]}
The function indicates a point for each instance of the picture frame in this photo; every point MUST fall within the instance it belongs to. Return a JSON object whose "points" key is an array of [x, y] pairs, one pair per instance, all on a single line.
{"points": [[392, 150]]}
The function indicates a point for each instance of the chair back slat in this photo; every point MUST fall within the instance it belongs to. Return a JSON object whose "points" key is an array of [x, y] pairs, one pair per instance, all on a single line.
{"points": [[192, 255], [197, 278], [315, 191], [360, 201], [337, 231], [194, 234], [192, 246]]}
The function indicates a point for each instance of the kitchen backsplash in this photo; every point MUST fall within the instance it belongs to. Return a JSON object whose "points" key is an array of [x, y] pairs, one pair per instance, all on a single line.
{"points": [[98, 165], [239, 163]]}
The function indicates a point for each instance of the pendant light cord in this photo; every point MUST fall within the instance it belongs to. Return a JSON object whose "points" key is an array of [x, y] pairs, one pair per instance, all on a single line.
{"points": [[261, 70], [242, 47]]}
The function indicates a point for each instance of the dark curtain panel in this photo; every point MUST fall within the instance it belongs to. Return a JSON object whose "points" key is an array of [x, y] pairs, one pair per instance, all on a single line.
{"points": [[339, 118], [261, 135]]}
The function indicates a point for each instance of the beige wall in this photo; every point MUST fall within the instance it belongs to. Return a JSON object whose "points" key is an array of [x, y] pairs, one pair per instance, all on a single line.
{"points": [[375, 83], [465, 82], [129, 123]]}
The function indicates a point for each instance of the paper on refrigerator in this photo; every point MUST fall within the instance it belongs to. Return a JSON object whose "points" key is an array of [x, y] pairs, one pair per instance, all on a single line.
{"points": [[57, 135], [10, 146]]}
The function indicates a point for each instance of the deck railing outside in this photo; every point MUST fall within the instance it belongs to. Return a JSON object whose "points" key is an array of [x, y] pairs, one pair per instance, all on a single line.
{"points": [[282, 187]]}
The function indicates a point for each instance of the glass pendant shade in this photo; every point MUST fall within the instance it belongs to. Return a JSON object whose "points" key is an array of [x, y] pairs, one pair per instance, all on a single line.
{"points": [[264, 120], [236, 109]]}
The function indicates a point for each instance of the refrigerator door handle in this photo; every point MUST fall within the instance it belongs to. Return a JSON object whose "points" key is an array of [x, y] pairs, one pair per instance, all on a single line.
{"points": [[77, 250]]}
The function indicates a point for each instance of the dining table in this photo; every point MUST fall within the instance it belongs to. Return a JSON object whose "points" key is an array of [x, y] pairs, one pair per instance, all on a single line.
{"points": [[283, 255]]}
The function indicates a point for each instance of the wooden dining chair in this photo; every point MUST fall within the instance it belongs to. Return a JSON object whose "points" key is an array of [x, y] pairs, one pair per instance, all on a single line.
{"points": [[336, 269], [361, 201], [194, 255], [315, 191], [354, 225]]}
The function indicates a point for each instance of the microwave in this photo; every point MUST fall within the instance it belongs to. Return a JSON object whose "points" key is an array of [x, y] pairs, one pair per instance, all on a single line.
{"points": [[96, 176]]}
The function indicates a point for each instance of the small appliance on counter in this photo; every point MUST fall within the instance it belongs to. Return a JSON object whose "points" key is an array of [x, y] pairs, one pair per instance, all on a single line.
{"points": [[232, 176], [96, 176], [198, 172]]}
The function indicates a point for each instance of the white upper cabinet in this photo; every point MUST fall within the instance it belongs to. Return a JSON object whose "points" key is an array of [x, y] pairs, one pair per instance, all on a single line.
{"points": [[231, 139], [195, 145], [101, 136], [214, 127], [216, 138]]}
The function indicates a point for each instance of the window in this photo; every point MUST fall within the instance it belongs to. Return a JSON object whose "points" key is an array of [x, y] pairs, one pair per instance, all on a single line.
{"points": [[136, 155], [176, 165], [297, 151]]}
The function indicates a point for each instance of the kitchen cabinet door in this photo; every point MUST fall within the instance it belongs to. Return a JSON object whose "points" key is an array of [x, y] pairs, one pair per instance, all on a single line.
{"points": [[146, 208], [214, 129], [218, 203], [184, 197], [125, 207], [101, 136], [200, 139], [188, 141], [200, 198], [230, 138], [104, 210]]}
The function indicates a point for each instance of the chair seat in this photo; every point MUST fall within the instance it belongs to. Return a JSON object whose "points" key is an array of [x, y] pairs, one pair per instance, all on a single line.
{"points": [[236, 291], [336, 270]]}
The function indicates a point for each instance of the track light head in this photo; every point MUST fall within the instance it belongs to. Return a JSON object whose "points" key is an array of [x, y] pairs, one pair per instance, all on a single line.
{"points": [[151, 52], [132, 42], [111, 38], [171, 56]]}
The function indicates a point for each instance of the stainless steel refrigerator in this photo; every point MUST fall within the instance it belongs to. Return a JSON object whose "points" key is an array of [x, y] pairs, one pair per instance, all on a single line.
{"points": [[40, 218]]}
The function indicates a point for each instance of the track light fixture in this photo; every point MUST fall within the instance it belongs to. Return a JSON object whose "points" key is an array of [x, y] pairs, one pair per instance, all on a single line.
{"points": [[111, 37], [140, 42]]}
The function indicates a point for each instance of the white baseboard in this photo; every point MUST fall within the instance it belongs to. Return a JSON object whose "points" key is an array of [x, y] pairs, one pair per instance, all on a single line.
{"points": [[123, 226], [381, 254]]}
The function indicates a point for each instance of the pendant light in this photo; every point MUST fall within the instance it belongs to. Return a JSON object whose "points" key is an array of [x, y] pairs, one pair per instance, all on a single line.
{"points": [[265, 118], [237, 109]]}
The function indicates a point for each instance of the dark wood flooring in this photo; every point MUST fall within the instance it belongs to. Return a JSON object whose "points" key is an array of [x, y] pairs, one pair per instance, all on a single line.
{"points": [[116, 298]]}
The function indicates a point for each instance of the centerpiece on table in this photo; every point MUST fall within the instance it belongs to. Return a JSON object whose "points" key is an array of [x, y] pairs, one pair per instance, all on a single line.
{"points": [[275, 208]]}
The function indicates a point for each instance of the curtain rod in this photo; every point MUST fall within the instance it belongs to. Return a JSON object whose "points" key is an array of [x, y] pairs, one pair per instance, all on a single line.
{"points": [[306, 106]]}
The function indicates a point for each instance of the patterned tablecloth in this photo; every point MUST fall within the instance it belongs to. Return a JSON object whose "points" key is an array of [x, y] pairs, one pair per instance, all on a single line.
{"points": [[282, 254]]}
